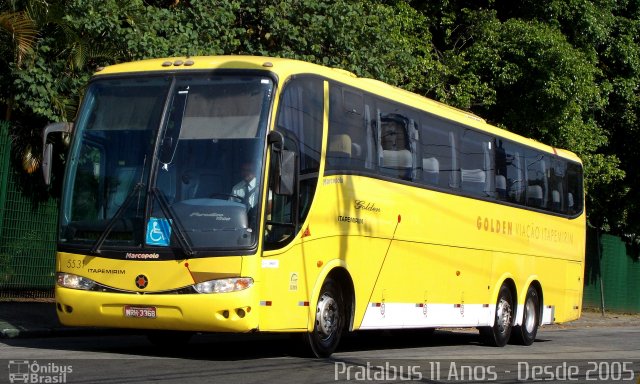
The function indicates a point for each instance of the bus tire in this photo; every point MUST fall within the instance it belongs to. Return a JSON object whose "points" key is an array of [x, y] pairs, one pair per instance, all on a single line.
{"points": [[525, 334], [499, 334], [329, 320]]}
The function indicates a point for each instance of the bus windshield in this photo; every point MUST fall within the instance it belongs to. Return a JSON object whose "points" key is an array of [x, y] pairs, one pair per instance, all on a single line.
{"points": [[166, 162]]}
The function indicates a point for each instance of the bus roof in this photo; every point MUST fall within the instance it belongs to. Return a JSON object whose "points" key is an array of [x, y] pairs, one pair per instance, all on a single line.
{"points": [[286, 67]]}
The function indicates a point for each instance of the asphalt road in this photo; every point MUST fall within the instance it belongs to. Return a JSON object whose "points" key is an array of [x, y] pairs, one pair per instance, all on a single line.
{"points": [[588, 354]]}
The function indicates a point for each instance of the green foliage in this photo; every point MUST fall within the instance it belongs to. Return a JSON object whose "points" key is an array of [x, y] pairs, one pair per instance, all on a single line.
{"points": [[367, 38], [565, 72], [46, 87], [620, 63], [20, 30], [134, 30], [535, 67], [544, 87]]}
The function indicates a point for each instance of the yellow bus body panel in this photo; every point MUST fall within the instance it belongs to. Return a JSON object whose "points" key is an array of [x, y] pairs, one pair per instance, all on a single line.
{"points": [[201, 312]]}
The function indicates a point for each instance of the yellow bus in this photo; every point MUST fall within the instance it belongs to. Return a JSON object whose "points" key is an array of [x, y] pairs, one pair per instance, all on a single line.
{"points": [[243, 194]]}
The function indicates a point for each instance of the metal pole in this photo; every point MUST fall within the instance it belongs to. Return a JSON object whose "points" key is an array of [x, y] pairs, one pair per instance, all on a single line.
{"points": [[600, 272]]}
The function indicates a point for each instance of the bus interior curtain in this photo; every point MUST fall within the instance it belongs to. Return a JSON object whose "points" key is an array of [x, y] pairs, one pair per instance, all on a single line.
{"points": [[488, 169], [379, 136], [454, 176], [369, 163], [414, 139]]}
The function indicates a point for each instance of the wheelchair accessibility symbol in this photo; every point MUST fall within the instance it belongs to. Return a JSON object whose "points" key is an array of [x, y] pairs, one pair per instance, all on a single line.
{"points": [[158, 232]]}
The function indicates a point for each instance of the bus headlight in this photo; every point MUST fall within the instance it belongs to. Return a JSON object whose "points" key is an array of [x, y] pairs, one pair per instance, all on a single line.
{"points": [[224, 285], [72, 281]]}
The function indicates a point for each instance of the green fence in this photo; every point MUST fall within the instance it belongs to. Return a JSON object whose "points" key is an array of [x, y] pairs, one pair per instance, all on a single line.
{"points": [[612, 274], [27, 231], [5, 152]]}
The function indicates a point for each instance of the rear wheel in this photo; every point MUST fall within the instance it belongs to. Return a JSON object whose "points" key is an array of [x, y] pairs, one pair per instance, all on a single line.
{"points": [[499, 334], [525, 334], [330, 320]]}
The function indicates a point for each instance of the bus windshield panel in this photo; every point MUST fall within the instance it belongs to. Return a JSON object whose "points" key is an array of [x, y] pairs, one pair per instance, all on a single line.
{"points": [[167, 162]]}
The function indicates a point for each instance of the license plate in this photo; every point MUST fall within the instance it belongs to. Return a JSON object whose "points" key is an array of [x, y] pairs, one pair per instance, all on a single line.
{"points": [[140, 312]]}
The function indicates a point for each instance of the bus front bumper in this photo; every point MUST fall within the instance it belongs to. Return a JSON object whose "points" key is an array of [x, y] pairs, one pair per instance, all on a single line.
{"points": [[221, 312]]}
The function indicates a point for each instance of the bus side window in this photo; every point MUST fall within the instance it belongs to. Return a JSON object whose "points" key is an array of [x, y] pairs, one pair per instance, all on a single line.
{"points": [[574, 188], [557, 186], [397, 158], [437, 149], [300, 118], [476, 163], [537, 183], [348, 147], [510, 173]]}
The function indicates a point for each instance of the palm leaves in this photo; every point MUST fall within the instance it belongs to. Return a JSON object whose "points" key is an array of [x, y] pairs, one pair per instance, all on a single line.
{"points": [[24, 30], [21, 32]]}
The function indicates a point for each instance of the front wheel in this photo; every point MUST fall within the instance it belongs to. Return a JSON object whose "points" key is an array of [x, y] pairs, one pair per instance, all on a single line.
{"points": [[329, 321], [499, 334], [525, 334]]}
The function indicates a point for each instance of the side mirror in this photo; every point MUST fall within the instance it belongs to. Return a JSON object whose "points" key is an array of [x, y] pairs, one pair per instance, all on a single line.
{"points": [[47, 154], [284, 165], [47, 148]]}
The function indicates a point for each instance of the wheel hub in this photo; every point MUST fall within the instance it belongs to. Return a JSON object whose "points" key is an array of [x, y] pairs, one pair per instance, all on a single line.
{"points": [[503, 315], [327, 316]]}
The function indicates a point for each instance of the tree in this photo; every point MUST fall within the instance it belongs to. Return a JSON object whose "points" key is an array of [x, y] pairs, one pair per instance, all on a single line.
{"points": [[386, 42], [619, 60], [564, 72], [533, 67], [18, 34], [605, 31], [38, 77]]}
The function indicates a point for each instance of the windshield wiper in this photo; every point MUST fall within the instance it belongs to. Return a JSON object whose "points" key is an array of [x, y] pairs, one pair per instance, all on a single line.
{"points": [[95, 249], [174, 222]]}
